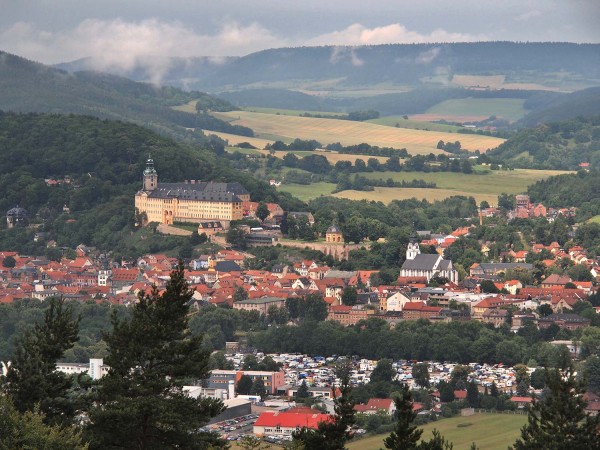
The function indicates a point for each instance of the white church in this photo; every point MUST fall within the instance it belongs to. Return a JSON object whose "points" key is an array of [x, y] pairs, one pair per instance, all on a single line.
{"points": [[427, 266]]}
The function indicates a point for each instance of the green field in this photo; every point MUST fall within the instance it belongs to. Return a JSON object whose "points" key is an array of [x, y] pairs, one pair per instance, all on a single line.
{"points": [[508, 108], [595, 219], [480, 186], [307, 192], [488, 431], [289, 112], [392, 121], [493, 182]]}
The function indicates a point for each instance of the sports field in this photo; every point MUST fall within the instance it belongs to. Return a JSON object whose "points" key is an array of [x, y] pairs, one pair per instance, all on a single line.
{"points": [[488, 431], [508, 108], [269, 126]]}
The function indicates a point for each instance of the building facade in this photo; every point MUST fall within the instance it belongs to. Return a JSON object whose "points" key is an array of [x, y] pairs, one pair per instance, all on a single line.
{"points": [[426, 266], [191, 201]]}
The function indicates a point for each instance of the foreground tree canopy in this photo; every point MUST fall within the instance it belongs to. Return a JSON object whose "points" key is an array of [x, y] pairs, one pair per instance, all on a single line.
{"points": [[141, 402]]}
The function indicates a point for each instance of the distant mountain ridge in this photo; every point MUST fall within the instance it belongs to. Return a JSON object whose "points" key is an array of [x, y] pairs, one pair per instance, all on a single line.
{"points": [[409, 64]]}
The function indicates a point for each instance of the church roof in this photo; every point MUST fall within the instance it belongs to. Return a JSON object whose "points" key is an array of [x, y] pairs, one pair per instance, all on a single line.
{"points": [[421, 262]]}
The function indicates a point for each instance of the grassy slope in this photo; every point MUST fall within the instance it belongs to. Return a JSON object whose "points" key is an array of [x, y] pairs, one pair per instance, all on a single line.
{"points": [[308, 191], [488, 431], [508, 108], [350, 133], [493, 182], [480, 186]]}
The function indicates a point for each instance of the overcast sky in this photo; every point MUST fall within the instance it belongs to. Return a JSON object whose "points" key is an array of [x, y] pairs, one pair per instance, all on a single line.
{"points": [[118, 32]]}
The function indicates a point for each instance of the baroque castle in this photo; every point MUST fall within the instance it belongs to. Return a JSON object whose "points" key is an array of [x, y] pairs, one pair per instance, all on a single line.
{"points": [[192, 201]]}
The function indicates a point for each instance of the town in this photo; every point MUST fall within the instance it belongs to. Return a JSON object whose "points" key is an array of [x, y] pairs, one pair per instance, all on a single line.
{"points": [[266, 394]]}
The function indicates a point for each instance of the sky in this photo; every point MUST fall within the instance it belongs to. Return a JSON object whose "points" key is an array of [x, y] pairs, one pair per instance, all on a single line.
{"points": [[118, 33]]}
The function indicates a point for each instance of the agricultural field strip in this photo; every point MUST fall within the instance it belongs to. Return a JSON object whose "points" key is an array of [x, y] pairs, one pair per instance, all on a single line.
{"points": [[488, 431], [507, 108], [349, 133]]}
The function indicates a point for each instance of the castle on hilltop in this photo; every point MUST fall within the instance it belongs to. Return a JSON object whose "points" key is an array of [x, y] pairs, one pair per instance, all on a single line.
{"points": [[191, 201]]}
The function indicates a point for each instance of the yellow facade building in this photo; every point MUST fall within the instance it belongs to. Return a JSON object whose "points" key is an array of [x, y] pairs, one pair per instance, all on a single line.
{"points": [[192, 201]]}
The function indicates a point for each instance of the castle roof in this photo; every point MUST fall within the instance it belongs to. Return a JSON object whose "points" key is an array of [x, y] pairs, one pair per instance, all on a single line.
{"points": [[204, 191]]}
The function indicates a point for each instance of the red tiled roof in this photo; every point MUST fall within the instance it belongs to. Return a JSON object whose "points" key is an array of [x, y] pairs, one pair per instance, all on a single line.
{"points": [[521, 399], [290, 420], [460, 395]]}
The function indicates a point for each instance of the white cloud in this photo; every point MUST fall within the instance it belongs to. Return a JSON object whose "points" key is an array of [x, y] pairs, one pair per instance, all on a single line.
{"points": [[428, 56], [341, 53], [528, 15], [117, 44], [396, 33]]}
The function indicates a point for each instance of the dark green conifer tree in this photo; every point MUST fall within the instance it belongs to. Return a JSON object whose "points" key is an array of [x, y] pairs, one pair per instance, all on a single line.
{"points": [[333, 434], [32, 377], [559, 421], [405, 435], [141, 403]]}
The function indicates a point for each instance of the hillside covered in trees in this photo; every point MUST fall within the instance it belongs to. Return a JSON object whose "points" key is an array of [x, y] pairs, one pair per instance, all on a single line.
{"points": [[26, 86], [94, 167], [556, 145], [405, 64]]}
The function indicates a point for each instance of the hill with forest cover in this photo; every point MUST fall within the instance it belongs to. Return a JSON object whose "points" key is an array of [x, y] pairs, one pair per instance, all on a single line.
{"points": [[579, 190], [94, 167], [553, 107], [551, 65], [557, 145], [26, 86]]}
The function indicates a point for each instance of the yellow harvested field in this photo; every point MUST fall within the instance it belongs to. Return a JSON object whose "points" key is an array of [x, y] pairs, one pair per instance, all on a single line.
{"points": [[234, 139], [386, 195], [348, 132], [332, 157]]}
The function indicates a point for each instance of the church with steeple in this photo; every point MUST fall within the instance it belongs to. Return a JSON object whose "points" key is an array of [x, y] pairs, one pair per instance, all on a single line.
{"points": [[192, 201], [418, 265]]}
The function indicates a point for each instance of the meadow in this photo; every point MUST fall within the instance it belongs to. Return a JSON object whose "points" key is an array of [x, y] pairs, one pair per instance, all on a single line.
{"points": [[478, 185], [510, 109], [392, 121], [488, 431], [269, 126], [492, 182], [234, 139]]}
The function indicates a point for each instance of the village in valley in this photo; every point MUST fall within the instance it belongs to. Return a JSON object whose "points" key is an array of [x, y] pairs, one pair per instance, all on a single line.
{"points": [[428, 288]]}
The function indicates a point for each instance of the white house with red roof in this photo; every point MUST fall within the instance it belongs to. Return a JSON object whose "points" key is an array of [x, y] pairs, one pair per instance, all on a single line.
{"points": [[375, 405]]}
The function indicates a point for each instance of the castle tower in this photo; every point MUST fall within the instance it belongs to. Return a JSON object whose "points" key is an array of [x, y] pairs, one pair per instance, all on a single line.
{"points": [[150, 176], [413, 249]]}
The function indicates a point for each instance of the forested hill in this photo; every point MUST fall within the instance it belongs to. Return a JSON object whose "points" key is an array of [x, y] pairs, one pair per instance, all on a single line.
{"points": [[404, 64], [557, 145], [553, 108], [579, 190], [98, 165], [26, 86]]}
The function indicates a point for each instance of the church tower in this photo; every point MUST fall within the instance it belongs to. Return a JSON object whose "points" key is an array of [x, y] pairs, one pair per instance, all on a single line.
{"points": [[413, 249], [150, 176]]}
